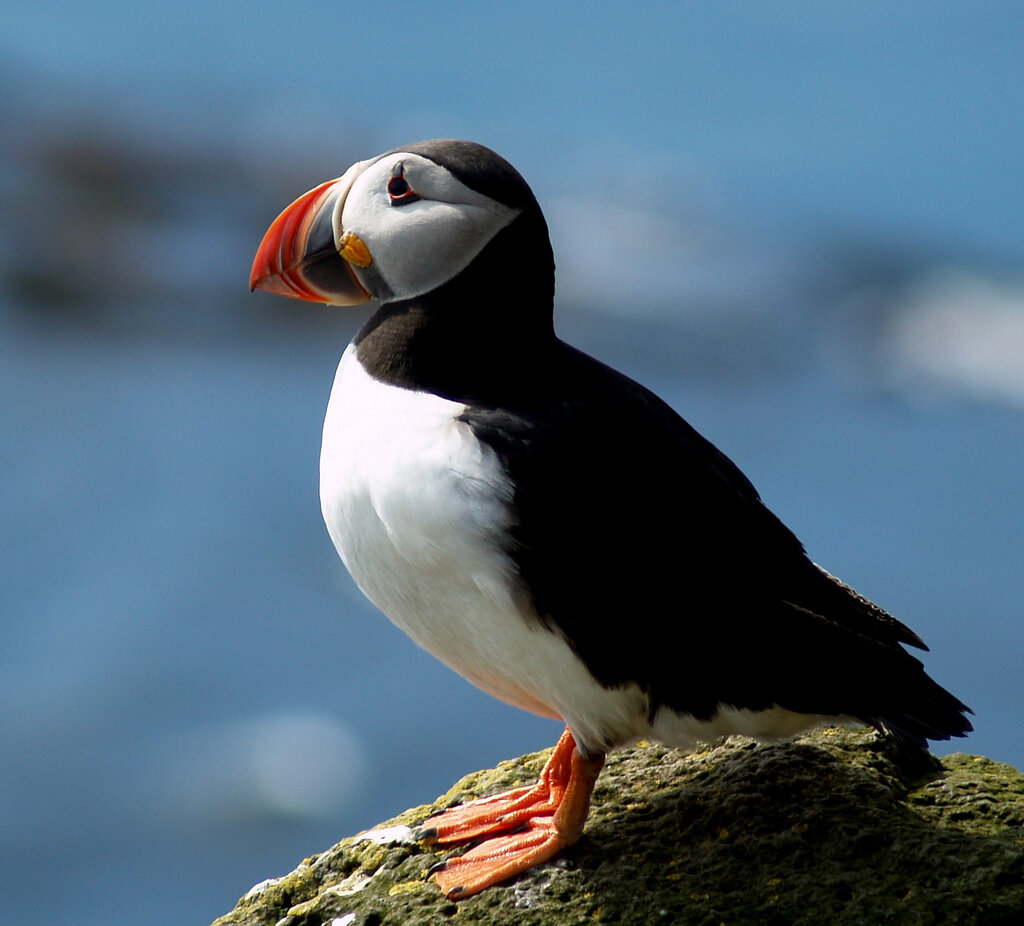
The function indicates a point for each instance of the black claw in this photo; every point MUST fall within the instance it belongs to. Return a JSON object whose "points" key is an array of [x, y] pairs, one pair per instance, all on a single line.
{"points": [[427, 834], [436, 867], [456, 892]]}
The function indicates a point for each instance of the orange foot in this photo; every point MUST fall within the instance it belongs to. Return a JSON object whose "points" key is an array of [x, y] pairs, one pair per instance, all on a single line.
{"points": [[546, 818]]}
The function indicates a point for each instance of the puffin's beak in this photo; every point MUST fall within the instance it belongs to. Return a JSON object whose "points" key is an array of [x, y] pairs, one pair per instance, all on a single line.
{"points": [[304, 253]]}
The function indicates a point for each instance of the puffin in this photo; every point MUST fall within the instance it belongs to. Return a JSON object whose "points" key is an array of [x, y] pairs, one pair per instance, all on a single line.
{"points": [[544, 525]]}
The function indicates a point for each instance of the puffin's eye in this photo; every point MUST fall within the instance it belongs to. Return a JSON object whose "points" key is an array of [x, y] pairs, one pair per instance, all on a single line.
{"points": [[400, 191]]}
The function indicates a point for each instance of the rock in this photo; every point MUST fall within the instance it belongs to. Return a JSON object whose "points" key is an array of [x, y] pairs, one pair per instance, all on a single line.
{"points": [[835, 827]]}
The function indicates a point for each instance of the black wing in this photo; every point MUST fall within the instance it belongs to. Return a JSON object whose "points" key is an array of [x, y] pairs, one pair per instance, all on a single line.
{"points": [[650, 551]]}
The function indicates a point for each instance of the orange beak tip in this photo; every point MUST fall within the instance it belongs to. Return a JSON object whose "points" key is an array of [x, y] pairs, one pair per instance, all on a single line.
{"points": [[297, 256]]}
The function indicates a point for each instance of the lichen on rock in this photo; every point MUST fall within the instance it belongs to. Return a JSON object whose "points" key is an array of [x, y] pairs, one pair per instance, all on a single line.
{"points": [[835, 827]]}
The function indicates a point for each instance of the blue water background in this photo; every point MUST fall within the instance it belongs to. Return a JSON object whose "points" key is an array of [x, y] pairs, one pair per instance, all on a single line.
{"points": [[799, 223]]}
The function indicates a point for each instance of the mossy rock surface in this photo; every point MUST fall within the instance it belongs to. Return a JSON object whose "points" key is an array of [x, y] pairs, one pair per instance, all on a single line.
{"points": [[835, 827]]}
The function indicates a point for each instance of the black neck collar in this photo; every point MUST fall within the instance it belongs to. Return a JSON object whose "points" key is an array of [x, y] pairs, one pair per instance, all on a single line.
{"points": [[480, 336]]}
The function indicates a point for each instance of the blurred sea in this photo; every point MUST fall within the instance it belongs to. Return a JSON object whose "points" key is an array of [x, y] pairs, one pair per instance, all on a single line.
{"points": [[193, 695]]}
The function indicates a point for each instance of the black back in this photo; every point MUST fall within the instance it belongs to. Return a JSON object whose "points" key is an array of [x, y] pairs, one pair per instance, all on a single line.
{"points": [[653, 555]]}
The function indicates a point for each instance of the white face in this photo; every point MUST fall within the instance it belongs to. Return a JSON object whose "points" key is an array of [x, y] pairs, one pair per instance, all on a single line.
{"points": [[421, 226]]}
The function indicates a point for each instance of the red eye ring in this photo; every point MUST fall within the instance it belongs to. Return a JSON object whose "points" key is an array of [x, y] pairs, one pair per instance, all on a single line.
{"points": [[400, 191]]}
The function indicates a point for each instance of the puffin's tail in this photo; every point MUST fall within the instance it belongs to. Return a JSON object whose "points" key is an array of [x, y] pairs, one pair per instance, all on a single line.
{"points": [[840, 671], [879, 681], [923, 710]]}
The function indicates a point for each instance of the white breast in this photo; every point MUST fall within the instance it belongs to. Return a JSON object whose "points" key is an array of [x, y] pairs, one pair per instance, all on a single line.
{"points": [[416, 507]]}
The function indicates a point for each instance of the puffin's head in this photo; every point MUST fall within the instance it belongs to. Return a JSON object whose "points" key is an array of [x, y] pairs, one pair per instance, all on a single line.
{"points": [[393, 227]]}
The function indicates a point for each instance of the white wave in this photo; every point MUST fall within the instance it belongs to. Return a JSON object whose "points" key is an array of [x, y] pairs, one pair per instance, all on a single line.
{"points": [[960, 332]]}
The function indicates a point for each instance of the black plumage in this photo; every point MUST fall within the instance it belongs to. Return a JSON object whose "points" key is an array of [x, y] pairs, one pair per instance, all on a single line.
{"points": [[634, 537]]}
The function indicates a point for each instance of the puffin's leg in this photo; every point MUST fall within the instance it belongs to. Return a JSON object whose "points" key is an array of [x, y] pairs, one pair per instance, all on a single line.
{"points": [[550, 816]]}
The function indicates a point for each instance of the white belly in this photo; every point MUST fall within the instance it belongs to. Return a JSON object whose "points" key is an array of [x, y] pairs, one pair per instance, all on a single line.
{"points": [[416, 507]]}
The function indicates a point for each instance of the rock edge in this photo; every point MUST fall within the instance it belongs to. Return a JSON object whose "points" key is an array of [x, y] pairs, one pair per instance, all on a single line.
{"points": [[837, 826]]}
